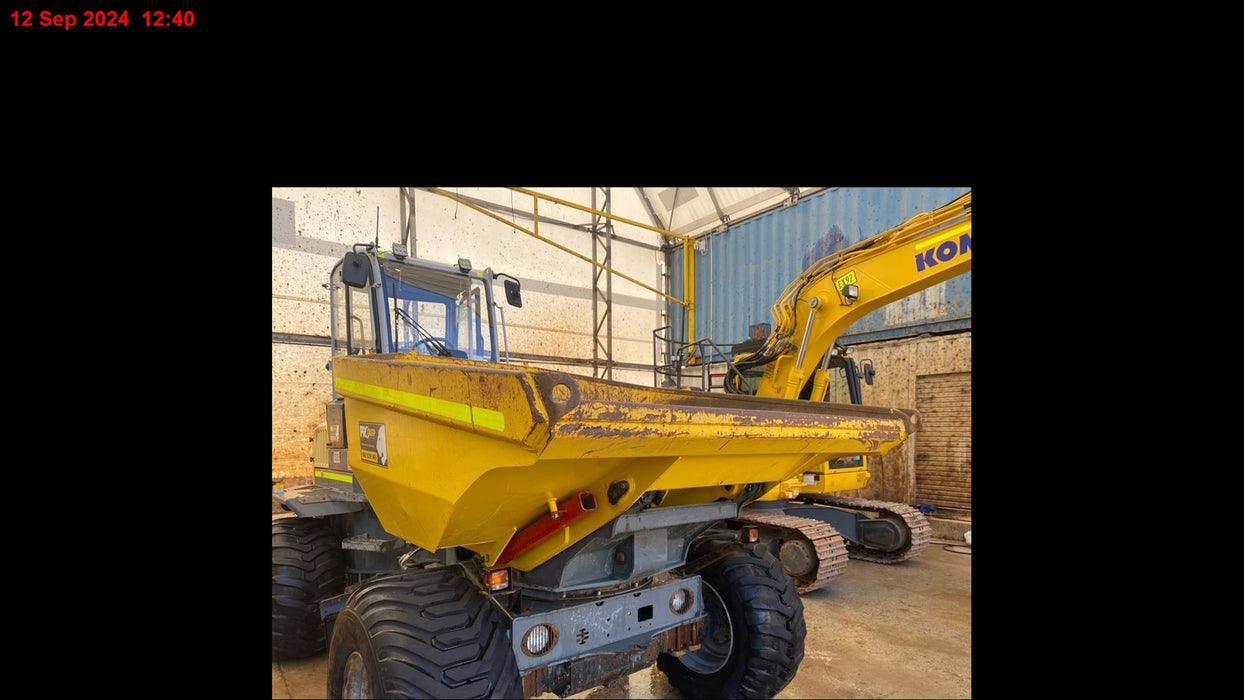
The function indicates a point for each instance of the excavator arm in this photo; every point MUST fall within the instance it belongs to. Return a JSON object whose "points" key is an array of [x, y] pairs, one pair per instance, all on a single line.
{"points": [[837, 290]]}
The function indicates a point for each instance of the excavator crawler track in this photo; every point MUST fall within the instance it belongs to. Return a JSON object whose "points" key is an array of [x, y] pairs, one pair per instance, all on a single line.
{"points": [[921, 530], [830, 547]]}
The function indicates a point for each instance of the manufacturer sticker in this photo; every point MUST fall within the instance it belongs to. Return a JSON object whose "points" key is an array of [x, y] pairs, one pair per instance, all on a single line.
{"points": [[372, 445], [943, 248]]}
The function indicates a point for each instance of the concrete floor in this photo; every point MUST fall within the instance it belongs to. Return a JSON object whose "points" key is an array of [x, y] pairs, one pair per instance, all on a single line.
{"points": [[902, 631]]}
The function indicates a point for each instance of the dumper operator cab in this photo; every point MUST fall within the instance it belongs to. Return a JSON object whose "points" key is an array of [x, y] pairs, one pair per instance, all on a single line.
{"points": [[384, 302], [387, 302]]}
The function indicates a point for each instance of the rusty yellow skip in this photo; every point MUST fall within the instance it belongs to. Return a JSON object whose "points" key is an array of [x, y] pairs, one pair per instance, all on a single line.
{"points": [[460, 453]]}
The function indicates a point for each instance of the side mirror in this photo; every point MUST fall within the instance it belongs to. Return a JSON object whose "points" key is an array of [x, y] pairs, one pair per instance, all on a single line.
{"points": [[355, 270], [512, 295], [869, 372]]}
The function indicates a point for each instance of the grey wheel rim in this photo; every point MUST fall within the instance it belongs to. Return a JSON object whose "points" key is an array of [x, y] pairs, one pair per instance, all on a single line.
{"points": [[357, 685], [718, 639]]}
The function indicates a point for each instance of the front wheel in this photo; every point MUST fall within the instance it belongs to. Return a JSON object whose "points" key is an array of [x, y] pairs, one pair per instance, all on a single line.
{"points": [[423, 634], [754, 641]]}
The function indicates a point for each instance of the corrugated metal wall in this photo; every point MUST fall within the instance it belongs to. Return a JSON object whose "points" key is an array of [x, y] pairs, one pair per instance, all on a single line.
{"points": [[740, 272], [944, 443]]}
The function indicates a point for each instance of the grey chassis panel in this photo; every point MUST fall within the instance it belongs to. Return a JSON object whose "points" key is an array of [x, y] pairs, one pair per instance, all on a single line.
{"points": [[609, 625], [319, 501], [657, 518], [633, 546]]}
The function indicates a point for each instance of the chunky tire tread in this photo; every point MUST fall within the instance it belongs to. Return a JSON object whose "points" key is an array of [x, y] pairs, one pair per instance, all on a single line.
{"points": [[768, 628], [307, 566], [432, 634]]}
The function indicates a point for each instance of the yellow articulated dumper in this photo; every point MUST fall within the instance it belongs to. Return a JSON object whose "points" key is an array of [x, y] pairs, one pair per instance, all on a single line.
{"points": [[483, 529]]}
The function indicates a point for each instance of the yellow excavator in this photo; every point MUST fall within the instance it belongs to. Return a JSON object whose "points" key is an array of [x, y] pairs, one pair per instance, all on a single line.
{"points": [[800, 357]]}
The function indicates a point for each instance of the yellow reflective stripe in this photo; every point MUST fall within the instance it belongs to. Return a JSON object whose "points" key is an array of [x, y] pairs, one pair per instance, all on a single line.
{"points": [[334, 476], [951, 233], [483, 417], [488, 418]]}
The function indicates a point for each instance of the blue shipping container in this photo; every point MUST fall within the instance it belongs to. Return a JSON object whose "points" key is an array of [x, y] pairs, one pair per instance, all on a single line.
{"points": [[740, 273]]}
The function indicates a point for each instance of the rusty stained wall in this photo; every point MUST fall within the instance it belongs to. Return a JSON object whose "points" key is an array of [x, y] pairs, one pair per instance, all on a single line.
{"points": [[313, 227], [898, 363], [300, 387]]}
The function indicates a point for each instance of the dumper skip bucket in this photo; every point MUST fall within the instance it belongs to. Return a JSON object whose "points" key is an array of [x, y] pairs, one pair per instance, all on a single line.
{"points": [[452, 452]]}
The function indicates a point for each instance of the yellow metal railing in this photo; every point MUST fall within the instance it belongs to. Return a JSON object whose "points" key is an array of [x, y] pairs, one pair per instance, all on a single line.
{"points": [[688, 299]]}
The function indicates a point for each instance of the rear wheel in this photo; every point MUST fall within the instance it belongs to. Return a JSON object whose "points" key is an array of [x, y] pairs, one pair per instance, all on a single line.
{"points": [[428, 634], [307, 566], [754, 641]]}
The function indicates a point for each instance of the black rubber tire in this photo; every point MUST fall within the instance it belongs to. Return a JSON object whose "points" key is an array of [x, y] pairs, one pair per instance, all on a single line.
{"points": [[424, 634], [767, 622], [307, 566]]}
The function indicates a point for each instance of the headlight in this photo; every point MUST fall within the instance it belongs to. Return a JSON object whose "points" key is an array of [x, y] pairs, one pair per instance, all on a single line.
{"points": [[539, 640], [681, 601]]}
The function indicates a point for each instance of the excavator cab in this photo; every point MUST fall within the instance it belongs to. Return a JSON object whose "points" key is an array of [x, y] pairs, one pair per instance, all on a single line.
{"points": [[844, 386], [845, 376]]}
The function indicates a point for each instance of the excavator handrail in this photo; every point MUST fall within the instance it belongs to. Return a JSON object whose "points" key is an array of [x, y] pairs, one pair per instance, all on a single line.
{"points": [[673, 370]]}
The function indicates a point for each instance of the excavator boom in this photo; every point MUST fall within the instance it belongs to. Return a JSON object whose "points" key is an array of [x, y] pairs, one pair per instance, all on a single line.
{"points": [[837, 290]]}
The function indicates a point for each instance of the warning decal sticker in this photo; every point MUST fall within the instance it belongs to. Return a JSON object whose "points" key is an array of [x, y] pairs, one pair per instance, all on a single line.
{"points": [[372, 445]]}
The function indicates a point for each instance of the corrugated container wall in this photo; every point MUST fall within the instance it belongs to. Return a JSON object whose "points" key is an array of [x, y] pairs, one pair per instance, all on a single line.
{"points": [[739, 273]]}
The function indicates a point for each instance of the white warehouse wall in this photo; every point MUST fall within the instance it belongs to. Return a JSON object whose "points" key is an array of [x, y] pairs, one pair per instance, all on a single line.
{"points": [[313, 227]]}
